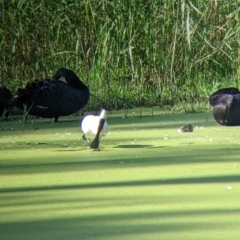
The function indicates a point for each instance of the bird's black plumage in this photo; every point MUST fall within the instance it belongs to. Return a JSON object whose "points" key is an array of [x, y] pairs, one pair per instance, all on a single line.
{"points": [[5, 106], [214, 99], [226, 106], [51, 98]]}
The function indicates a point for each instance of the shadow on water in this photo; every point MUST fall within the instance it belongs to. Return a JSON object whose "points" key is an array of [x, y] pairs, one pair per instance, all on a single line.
{"points": [[135, 183], [121, 226], [134, 146], [59, 160]]}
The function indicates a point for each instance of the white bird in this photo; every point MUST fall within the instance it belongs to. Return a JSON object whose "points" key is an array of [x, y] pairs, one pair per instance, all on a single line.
{"points": [[96, 125]]}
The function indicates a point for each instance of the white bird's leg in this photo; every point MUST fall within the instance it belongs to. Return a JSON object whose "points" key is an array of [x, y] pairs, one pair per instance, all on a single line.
{"points": [[86, 139]]}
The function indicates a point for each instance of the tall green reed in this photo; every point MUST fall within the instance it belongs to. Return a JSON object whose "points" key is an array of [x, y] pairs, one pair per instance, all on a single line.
{"points": [[130, 53]]}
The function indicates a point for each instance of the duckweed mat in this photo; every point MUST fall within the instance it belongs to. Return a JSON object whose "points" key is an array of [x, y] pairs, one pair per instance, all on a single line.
{"points": [[148, 181]]}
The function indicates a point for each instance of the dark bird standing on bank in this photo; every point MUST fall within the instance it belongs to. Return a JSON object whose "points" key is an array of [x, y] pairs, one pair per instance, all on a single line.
{"points": [[51, 98], [5, 106], [226, 106]]}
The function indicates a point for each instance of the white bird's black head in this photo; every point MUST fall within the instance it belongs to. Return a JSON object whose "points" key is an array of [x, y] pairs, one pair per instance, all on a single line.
{"points": [[102, 118]]}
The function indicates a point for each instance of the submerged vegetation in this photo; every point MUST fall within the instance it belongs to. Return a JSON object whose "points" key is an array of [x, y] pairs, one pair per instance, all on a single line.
{"points": [[141, 53]]}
